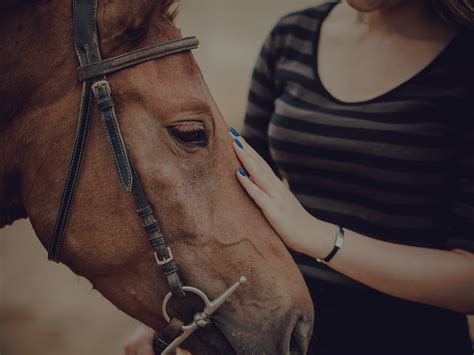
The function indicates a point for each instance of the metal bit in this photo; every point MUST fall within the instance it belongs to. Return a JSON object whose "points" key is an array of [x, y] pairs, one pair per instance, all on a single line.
{"points": [[201, 319]]}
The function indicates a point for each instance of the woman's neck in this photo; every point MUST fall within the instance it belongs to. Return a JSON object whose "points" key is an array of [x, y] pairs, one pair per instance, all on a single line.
{"points": [[411, 17]]}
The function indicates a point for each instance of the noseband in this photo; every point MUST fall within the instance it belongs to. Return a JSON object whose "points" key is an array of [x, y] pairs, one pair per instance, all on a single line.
{"points": [[91, 72]]}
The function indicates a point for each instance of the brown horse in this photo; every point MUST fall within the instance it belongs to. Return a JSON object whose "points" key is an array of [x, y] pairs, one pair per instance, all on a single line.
{"points": [[179, 143]]}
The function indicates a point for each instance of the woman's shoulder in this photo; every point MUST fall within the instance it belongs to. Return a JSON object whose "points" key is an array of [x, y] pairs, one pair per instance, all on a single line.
{"points": [[306, 19], [315, 12], [297, 30]]}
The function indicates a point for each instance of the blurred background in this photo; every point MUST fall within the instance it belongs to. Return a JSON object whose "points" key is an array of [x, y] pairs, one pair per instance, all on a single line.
{"points": [[47, 310]]}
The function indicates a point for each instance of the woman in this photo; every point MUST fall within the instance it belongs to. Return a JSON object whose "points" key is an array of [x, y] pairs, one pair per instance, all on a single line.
{"points": [[363, 107]]}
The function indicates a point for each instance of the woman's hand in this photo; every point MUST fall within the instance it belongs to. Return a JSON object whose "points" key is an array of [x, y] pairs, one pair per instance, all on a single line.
{"points": [[412, 273], [287, 216], [141, 343]]}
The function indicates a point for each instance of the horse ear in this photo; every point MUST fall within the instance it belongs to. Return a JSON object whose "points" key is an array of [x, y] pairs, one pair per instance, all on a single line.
{"points": [[169, 8]]}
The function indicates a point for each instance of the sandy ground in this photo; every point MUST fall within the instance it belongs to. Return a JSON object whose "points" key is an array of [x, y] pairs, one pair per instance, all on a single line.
{"points": [[47, 310]]}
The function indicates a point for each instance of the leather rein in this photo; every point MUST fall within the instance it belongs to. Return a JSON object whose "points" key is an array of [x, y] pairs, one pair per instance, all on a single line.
{"points": [[92, 73]]}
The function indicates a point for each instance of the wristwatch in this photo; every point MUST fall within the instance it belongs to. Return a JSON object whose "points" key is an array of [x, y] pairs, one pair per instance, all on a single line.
{"points": [[337, 245]]}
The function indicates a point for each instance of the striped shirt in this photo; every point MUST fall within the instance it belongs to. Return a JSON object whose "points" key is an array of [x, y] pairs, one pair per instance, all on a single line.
{"points": [[399, 167]]}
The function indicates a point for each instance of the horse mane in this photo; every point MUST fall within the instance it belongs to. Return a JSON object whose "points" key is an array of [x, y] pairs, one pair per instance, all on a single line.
{"points": [[11, 214]]}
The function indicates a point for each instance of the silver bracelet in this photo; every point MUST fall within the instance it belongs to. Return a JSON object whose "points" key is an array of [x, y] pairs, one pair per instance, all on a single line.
{"points": [[337, 245]]}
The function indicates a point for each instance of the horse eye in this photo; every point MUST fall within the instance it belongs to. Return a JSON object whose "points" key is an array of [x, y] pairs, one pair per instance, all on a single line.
{"points": [[132, 34], [189, 133]]}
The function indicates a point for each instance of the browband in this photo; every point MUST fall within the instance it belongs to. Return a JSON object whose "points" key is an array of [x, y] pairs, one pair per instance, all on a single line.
{"points": [[138, 56]]}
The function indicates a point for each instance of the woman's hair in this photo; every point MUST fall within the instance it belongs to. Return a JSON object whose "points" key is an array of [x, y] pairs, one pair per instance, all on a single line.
{"points": [[457, 12]]}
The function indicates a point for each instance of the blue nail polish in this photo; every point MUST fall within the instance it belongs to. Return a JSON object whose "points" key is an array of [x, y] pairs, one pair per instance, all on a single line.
{"points": [[242, 172], [238, 143], [234, 132]]}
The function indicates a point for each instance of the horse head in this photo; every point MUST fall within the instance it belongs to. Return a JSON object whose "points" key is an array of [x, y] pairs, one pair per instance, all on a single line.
{"points": [[180, 147]]}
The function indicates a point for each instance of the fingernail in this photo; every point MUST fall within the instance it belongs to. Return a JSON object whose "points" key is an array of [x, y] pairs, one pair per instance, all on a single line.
{"points": [[238, 143], [234, 132], [242, 171]]}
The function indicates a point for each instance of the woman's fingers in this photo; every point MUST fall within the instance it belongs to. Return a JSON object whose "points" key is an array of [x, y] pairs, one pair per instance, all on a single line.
{"points": [[261, 174], [257, 194], [249, 149], [255, 170], [140, 342]]}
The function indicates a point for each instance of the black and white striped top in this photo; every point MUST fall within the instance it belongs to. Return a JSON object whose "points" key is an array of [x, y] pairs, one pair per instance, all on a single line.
{"points": [[399, 167]]}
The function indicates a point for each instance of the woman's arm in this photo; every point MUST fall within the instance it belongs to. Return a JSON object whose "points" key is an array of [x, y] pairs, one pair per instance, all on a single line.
{"points": [[436, 277]]}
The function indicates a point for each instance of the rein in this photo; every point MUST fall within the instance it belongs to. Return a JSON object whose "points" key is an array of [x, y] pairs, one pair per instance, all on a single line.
{"points": [[92, 73]]}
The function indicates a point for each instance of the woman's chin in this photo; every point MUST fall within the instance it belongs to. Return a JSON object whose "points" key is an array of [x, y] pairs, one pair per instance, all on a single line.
{"points": [[372, 5]]}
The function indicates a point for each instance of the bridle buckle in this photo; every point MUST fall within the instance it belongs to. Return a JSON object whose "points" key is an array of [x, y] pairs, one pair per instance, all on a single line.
{"points": [[101, 83], [165, 260]]}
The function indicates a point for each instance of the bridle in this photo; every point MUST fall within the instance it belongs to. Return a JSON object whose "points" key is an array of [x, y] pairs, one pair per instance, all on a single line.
{"points": [[91, 72]]}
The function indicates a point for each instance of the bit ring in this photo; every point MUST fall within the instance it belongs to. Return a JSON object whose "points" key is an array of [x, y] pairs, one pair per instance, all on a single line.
{"points": [[194, 290]]}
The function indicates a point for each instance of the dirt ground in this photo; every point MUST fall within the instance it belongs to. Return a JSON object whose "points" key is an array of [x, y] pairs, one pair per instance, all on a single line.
{"points": [[47, 310]]}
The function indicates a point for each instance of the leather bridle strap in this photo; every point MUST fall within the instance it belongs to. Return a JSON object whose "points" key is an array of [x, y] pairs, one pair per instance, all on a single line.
{"points": [[163, 255], [85, 55], [167, 335], [131, 182], [92, 72], [139, 56]]}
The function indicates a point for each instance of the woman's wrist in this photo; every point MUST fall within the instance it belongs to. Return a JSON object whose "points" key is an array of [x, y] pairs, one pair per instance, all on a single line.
{"points": [[318, 238]]}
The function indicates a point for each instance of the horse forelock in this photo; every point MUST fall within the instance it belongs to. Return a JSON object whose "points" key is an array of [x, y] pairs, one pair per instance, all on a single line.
{"points": [[169, 8]]}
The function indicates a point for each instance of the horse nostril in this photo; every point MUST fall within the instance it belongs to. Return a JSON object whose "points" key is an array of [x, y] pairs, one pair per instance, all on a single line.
{"points": [[299, 338]]}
